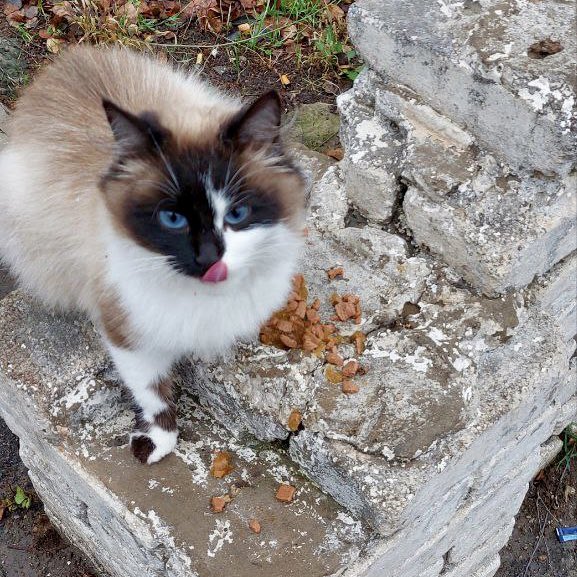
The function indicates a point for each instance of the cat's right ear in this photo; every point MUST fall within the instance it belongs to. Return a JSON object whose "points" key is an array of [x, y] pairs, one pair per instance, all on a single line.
{"points": [[133, 134]]}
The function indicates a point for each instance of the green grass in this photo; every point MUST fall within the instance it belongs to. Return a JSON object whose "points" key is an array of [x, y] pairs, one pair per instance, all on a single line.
{"points": [[569, 453], [301, 23]]}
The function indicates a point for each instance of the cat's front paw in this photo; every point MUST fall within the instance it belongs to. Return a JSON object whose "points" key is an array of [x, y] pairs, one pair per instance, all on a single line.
{"points": [[153, 445]]}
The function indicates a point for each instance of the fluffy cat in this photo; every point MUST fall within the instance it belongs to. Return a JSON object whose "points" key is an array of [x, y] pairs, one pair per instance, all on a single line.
{"points": [[165, 210]]}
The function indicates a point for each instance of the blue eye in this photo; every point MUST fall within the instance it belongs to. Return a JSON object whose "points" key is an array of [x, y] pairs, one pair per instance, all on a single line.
{"points": [[172, 220], [237, 214]]}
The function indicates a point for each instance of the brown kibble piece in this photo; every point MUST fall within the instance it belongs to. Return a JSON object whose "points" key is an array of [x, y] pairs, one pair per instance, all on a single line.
{"points": [[301, 309], [350, 368], [284, 326], [345, 310], [218, 504], [334, 359], [349, 387], [335, 272], [285, 493], [254, 526], [358, 339], [288, 341], [294, 420], [221, 465], [316, 304], [333, 375], [313, 316]]}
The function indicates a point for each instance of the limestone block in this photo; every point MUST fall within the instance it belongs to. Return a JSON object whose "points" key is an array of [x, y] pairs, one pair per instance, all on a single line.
{"points": [[500, 235], [555, 293], [471, 61], [372, 155], [513, 382], [133, 520], [256, 391]]}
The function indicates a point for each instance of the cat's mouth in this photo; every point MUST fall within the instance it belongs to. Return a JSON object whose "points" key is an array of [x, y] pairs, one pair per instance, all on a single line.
{"points": [[218, 272]]}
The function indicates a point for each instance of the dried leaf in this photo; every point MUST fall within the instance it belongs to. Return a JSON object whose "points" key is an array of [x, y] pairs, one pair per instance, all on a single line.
{"points": [[54, 44], [221, 464]]}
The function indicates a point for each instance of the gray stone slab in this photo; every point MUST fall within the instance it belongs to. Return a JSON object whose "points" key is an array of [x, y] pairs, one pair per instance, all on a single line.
{"points": [[470, 62]]}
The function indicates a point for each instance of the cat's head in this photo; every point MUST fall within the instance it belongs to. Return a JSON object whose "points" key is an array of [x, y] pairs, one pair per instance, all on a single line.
{"points": [[223, 202]]}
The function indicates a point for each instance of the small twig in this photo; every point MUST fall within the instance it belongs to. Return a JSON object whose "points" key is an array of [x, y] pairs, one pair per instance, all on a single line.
{"points": [[534, 552], [20, 548]]}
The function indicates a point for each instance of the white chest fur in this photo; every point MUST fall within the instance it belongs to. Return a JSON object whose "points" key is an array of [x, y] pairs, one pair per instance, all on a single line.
{"points": [[176, 314]]}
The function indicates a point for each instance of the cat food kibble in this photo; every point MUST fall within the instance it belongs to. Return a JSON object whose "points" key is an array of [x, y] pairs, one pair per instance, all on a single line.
{"points": [[334, 359], [254, 526], [218, 504], [285, 493], [350, 368], [221, 465], [294, 420], [336, 271], [349, 387], [299, 326]]}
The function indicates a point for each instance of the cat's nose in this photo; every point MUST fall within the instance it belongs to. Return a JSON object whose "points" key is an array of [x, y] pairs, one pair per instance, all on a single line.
{"points": [[208, 254]]}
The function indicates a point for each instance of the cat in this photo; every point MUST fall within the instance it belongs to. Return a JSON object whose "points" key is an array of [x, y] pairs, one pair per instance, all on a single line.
{"points": [[165, 210]]}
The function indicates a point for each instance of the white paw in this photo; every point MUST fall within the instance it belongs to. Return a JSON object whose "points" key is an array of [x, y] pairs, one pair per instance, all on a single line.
{"points": [[152, 446]]}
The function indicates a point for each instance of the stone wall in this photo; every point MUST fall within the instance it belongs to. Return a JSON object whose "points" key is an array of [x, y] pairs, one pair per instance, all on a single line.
{"points": [[453, 216]]}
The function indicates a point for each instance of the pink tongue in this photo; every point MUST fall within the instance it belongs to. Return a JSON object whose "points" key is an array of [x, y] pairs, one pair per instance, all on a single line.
{"points": [[216, 273]]}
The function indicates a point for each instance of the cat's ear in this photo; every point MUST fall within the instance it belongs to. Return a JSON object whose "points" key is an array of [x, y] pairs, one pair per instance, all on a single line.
{"points": [[258, 123], [133, 134]]}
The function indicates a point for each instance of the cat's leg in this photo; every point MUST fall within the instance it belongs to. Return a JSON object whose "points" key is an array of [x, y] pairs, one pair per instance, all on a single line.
{"points": [[147, 375]]}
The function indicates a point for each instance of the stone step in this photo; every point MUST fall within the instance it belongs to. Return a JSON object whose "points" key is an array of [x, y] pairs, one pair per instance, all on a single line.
{"points": [[496, 227], [135, 520], [472, 63]]}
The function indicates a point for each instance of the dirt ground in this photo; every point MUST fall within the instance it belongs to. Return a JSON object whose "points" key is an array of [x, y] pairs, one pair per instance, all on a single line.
{"points": [[533, 550]]}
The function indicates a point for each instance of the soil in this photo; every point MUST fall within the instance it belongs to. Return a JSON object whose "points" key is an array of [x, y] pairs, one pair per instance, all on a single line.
{"points": [[533, 550]]}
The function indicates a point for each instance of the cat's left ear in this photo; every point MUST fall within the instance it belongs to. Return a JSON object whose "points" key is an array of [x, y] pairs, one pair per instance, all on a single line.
{"points": [[257, 124], [133, 134]]}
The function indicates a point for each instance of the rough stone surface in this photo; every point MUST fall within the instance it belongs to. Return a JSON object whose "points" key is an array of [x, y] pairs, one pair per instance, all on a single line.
{"points": [[518, 229], [555, 293], [499, 229], [469, 61], [373, 150]]}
